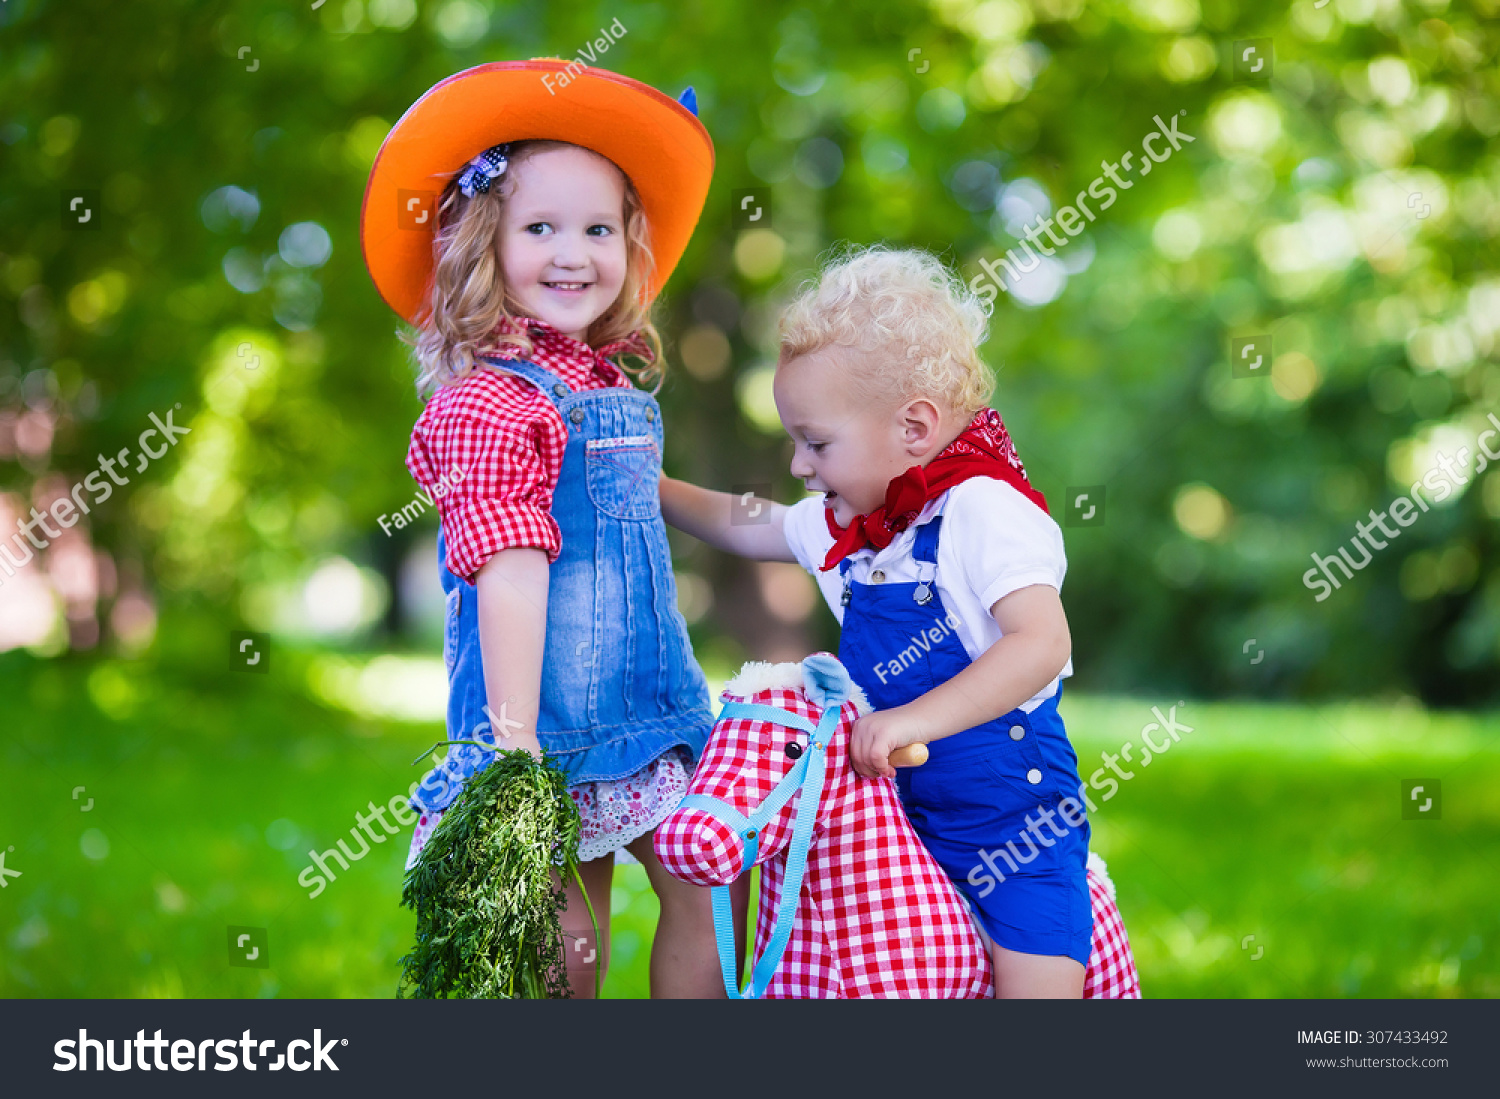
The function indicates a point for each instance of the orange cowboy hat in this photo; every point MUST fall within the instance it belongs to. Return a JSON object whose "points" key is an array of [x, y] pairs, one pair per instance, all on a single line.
{"points": [[655, 140]]}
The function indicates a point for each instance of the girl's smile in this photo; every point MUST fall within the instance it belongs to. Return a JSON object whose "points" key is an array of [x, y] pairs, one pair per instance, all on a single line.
{"points": [[562, 240]]}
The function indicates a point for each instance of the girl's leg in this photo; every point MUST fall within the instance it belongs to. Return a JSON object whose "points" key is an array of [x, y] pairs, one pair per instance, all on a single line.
{"points": [[684, 956], [586, 954], [1035, 976]]}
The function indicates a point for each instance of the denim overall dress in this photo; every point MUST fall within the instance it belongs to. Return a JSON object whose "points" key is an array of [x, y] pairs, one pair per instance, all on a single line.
{"points": [[970, 802], [619, 682]]}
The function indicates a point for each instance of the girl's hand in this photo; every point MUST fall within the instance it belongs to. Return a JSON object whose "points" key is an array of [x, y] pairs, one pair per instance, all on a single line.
{"points": [[875, 736], [509, 734]]}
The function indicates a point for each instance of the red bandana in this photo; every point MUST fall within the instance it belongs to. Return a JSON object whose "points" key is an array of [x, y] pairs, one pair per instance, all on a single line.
{"points": [[983, 450]]}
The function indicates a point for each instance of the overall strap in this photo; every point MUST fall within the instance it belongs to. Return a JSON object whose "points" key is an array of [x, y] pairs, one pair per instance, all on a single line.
{"points": [[924, 553], [924, 548], [550, 385]]}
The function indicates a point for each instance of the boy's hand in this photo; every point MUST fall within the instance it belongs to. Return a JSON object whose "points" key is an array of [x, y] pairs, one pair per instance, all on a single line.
{"points": [[875, 736]]}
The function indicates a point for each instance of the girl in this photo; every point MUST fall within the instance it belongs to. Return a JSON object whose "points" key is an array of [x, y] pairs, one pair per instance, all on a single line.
{"points": [[562, 626], [944, 569]]}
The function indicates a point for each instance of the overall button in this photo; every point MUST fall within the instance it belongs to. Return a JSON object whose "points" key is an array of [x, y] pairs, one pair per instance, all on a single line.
{"points": [[1017, 732], [560, 389], [576, 415], [1033, 776], [650, 415], [877, 577]]}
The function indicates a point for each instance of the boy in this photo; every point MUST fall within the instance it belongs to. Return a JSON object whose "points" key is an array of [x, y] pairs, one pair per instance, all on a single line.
{"points": [[944, 569]]}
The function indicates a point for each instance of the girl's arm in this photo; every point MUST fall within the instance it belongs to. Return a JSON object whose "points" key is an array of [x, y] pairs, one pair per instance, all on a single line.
{"points": [[1035, 647], [747, 526], [512, 634]]}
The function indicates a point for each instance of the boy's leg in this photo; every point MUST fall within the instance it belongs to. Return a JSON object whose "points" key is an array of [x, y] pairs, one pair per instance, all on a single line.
{"points": [[684, 955], [585, 953], [1035, 976]]}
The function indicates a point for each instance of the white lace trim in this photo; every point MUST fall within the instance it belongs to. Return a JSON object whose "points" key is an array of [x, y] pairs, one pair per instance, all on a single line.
{"points": [[613, 813]]}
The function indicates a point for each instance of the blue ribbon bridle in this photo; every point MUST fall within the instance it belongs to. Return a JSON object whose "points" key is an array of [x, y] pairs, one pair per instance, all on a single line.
{"points": [[807, 775]]}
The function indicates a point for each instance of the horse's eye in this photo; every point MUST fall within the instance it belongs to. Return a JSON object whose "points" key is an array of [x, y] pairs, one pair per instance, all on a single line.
{"points": [[794, 750]]}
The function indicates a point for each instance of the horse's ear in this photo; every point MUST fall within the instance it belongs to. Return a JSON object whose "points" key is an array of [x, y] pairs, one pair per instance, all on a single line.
{"points": [[826, 680]]}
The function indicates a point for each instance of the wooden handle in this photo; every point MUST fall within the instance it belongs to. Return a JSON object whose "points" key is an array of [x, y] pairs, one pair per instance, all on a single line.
{"points": [[913, 755]]}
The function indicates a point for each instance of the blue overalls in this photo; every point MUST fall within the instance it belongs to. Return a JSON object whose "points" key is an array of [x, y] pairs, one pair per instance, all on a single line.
{"points": [[970, 802], [619, 682]]}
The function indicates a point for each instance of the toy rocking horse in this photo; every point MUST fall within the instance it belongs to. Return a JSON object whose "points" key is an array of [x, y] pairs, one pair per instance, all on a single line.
{"points": [[851, 903]]}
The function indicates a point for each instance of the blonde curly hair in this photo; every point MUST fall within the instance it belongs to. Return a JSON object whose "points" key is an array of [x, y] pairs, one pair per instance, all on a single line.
{"points": [[917, 324], [469, 296]]}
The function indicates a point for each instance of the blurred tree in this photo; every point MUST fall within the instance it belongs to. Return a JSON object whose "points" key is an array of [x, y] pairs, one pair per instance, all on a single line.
{"points": [[1342, 201]]}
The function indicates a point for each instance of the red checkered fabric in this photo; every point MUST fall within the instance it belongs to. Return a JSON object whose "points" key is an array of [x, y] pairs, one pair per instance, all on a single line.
{"points": [[877, 916], [1111, 971], [492, 445]]}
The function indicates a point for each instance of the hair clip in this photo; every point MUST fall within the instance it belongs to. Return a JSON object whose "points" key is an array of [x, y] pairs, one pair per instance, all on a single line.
{"points": [[485, 167]]}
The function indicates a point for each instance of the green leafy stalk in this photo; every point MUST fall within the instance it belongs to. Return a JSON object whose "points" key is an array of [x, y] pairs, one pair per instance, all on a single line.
{"points": [[486, 887]]}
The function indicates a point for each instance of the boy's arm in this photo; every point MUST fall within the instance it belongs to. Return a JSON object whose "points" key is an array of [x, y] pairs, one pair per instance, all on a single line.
{"points": [[1035, 647], [747, 526], [512, 589]]}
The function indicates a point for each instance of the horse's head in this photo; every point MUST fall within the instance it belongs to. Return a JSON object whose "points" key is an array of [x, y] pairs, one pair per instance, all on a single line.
{"points": [[773, 725]]}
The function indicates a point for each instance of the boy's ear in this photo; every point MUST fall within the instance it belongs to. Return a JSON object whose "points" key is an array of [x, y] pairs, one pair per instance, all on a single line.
{"points": [[921, 421]]}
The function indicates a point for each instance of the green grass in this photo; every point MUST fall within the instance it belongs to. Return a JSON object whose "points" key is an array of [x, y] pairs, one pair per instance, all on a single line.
{"points": [[1285, 823], [1278, 822]]}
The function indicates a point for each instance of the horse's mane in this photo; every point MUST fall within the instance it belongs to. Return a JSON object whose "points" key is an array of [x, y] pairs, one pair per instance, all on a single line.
{"points": [[760, 675]]}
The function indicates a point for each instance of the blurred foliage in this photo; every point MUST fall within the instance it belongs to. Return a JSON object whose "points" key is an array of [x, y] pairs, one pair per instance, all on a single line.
{"points": [[1347, 206]]}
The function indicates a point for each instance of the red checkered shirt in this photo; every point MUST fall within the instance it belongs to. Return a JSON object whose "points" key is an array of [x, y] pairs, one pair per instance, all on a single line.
{"points": [[492, 445]]}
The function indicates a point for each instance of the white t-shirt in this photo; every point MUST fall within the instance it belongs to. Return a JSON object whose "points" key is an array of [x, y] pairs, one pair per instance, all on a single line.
{"points": [[994, 541]]}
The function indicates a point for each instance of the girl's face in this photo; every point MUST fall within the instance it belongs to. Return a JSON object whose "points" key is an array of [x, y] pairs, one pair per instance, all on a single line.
{"points": [[848, 446], [562, 238]]}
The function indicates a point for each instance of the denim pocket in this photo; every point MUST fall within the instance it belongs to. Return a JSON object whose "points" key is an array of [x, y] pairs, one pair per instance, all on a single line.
{"points": [[450, 626], [623, 474]]}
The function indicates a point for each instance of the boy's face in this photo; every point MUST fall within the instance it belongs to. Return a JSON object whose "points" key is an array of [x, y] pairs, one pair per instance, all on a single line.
{"points": [[848, 445], [562, 238]]}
